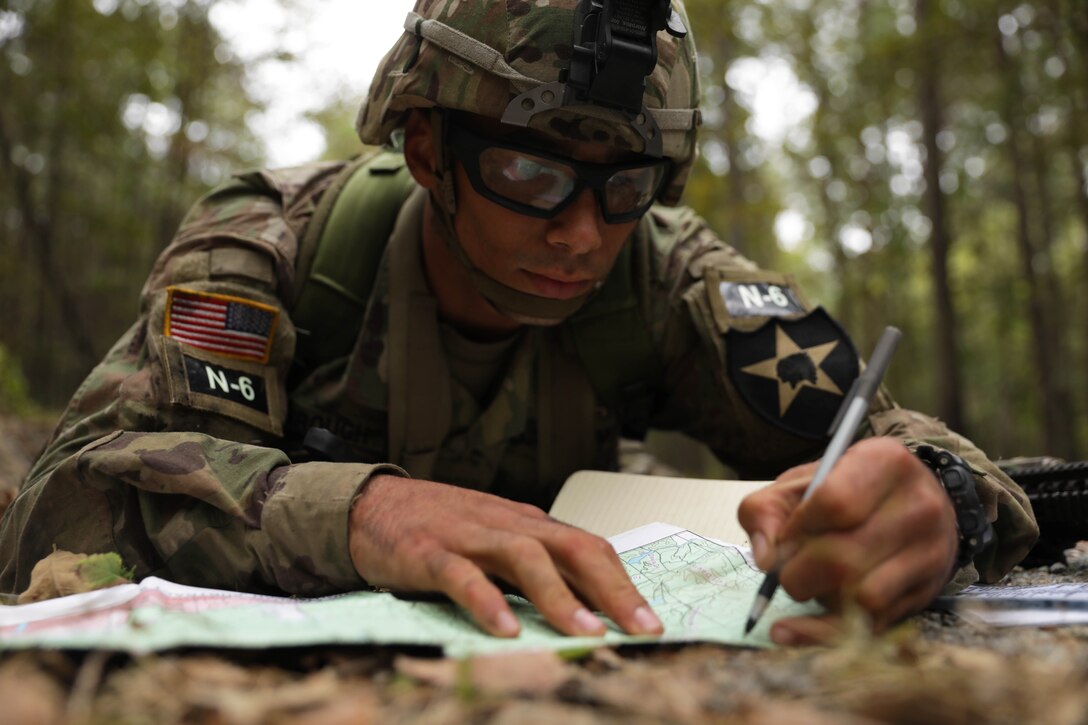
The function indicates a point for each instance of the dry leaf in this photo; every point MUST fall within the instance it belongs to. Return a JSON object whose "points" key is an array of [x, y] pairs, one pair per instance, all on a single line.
{"points": [[438, 672], [355, 704], [674, 697], [63, 573], [542, 713], [29, 697], [531, 673], [255, 705], [770, 711]]}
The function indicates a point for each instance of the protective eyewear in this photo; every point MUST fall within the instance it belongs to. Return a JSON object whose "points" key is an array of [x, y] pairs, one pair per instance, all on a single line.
{"points": [[534, 182]]}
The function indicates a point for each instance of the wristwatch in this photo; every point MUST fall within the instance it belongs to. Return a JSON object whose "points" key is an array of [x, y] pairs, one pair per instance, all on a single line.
{"points": [[958, 480]]}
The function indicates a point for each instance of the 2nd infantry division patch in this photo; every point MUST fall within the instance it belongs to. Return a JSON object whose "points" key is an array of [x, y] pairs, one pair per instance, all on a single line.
{"points": [[230, 326], [794, 373]]}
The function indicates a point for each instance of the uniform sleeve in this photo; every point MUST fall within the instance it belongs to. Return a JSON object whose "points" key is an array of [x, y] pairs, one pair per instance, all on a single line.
{"points": [[757, 373], [168, 452]]}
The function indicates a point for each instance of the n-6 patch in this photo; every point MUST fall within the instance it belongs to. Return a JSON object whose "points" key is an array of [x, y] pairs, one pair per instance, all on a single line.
{"points": [[794, 373]]}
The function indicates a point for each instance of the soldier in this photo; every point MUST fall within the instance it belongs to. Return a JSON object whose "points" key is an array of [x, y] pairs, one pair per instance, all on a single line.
{"points": [[473, 318]]}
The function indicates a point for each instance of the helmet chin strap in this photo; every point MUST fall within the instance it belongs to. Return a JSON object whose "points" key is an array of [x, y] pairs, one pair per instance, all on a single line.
{"points": [[522, 307]]}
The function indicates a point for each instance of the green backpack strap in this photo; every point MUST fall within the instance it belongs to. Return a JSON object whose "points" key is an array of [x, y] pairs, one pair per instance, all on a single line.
{"points": [[341, 251], [612, 338]]}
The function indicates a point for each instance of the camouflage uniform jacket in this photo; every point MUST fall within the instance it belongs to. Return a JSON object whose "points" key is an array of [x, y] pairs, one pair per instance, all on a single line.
{"points": [[182, 450]]}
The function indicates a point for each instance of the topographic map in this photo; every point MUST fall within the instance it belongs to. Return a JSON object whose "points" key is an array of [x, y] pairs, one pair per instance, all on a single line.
{"points": [[701, 589]]}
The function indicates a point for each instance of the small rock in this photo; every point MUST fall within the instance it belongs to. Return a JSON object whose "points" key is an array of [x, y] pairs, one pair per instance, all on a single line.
{"points": [[1077, 557], [1057, 567]]}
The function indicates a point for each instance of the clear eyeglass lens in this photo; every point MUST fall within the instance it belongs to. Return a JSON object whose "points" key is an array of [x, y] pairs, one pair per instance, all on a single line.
{"points": [[632, 189], [526, 179]]}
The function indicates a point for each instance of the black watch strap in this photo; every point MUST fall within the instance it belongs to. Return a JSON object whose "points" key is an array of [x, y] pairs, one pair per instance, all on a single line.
{"points": [[958, 480]]}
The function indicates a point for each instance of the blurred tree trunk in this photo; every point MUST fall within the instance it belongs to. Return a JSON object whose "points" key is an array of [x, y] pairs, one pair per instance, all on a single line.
{"points": [[1054, 301], [1039, 317], [824, 141], [95, 169], [737, 235], [950, 399], [1074, 55], [725, 204], [39, 239]]}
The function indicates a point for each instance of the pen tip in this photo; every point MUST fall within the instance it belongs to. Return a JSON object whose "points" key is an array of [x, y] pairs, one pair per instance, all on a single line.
{"points": [[749, 626]]}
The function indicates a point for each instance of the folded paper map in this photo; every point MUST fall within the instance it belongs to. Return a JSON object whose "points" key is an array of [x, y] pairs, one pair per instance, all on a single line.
{"points": [[701, 588]]}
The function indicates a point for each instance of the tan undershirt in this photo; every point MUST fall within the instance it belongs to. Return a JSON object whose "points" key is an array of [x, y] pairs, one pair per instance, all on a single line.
{"points": [[477, 366]]}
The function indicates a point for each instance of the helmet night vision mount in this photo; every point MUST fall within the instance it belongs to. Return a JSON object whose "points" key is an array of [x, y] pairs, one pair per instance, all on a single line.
{"points": [[614, 50]]}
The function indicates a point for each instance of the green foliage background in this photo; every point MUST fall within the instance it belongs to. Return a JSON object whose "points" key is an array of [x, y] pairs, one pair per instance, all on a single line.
{"points": [[933, 174]]}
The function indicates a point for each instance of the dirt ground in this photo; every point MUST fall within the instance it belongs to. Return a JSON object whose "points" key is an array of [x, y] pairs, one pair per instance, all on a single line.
{"points": [[930, 670], [934, 668]]}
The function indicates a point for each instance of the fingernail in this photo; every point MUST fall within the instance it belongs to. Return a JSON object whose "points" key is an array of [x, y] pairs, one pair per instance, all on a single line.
{"points": [[786, 550], [506, 624], [783, 636], [586, 623], [759, 550], [647, 622]]}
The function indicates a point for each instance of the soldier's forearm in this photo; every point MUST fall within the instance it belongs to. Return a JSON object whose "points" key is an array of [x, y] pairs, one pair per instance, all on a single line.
{"points": [[193, 509]]}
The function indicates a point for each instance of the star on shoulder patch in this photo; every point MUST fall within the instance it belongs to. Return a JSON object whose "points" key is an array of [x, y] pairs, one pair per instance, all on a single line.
{"points": [[794, 373]]}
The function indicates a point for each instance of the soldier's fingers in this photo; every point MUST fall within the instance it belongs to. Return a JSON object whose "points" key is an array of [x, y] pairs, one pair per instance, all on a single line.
{"points": [[868, 473], [467, 585], [764, 514], [903, 585], [592, 566], [593, 570], [801, 473], [796, 631], [823, 567], [526, 563], [898, 586], [827, 628]]}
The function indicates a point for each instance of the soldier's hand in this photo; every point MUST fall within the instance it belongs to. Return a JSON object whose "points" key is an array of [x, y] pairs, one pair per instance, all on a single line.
{"points": [[418, 536], [879, 534]]}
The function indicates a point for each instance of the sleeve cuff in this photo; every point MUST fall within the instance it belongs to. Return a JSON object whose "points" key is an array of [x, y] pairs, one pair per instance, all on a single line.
{"points": [[308, 519]]}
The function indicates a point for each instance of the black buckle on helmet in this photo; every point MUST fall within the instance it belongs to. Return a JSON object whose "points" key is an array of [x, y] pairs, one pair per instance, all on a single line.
{"points": [[614, 50]]}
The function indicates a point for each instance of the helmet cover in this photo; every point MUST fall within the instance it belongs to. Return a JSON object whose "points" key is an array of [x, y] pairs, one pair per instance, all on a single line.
{"points": [[476, 56]]}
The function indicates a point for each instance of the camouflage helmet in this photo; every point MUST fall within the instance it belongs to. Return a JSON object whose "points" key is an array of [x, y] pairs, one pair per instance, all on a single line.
{"points": [[477, 56]]}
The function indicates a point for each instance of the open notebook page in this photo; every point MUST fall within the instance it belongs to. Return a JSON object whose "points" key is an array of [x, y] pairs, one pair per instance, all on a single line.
{"points": [[607, 504]]}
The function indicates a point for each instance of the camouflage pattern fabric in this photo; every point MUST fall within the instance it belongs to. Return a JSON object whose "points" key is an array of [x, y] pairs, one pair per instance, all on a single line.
{"points": [[189, 462], [476, 56]]}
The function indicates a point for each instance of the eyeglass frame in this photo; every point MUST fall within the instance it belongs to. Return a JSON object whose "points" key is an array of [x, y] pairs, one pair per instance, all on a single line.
{"points": [[467, 146]]}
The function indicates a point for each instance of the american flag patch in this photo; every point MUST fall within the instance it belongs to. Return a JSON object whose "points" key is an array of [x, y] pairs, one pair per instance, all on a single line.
{"points": [[230, 326]]}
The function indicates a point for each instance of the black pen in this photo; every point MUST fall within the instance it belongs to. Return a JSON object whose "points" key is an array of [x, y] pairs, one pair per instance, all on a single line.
{"points": [[852, 411]]}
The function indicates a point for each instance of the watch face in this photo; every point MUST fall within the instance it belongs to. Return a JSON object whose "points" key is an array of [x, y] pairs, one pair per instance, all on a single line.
{"points": [[794, 373]]}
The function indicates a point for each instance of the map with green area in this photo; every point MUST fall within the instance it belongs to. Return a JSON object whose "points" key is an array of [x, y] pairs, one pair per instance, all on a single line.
{"points": [[702, 591]]}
